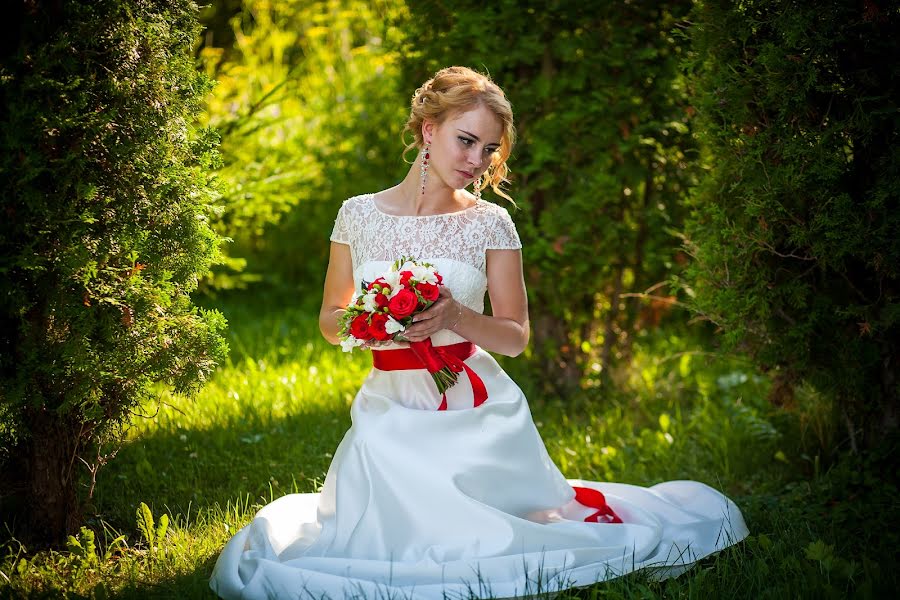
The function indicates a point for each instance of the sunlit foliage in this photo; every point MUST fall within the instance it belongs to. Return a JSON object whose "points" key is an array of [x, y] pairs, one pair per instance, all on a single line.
{"points": [[308, 110]]}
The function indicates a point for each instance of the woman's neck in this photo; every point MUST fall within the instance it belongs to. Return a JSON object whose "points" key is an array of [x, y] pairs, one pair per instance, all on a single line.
{"points": [[407, 198]]}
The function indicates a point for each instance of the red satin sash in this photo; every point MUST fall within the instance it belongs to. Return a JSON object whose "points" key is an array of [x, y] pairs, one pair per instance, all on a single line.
{"points": [[433, 358]]}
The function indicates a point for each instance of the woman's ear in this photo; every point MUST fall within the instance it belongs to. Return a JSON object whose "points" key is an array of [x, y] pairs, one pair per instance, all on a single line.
{"points": [[428, 128]]}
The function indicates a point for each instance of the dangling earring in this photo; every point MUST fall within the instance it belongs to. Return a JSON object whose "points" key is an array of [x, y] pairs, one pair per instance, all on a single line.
{"points": [[424, 172], [478, 189]]}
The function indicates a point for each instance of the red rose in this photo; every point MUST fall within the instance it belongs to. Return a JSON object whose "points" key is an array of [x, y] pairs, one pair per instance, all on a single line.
{"points": [[380, 281], [381, 300], [429, 291], [404, 277], [376, 327], [439, 278], [359, 328], [403, 304]]}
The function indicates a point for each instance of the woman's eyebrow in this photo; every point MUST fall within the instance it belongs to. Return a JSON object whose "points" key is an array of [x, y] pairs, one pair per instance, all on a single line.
{"points": [[477, 139]]}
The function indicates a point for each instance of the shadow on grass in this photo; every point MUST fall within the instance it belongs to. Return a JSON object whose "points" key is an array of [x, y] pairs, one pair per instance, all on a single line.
{"points": [[242, 449], [184, 472], [186, 586]]}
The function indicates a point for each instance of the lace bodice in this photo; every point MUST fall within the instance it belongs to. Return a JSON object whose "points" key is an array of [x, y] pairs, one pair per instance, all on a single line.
{"points": [[456, 243]]}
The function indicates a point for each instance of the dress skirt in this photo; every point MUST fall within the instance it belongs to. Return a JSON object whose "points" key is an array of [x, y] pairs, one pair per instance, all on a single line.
{"points": [[460, 503]]}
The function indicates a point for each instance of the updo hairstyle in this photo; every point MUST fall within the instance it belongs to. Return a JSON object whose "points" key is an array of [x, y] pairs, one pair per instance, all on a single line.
{"points": [[455, 90]]}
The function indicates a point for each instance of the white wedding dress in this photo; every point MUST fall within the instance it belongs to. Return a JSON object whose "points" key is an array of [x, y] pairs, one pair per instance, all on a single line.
{"points": [[463, 503]]}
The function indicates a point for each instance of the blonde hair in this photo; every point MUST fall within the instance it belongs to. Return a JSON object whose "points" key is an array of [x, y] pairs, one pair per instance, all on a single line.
{"points": [[451, 91]]}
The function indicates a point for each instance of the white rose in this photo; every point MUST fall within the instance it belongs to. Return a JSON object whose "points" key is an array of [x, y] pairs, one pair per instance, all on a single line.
{"points": [[393, 280], [424, 274], [350, 343], [393, 326], [369, 301]]}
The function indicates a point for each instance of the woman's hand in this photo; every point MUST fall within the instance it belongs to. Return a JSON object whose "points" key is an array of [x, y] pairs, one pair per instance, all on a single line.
{"points": [[443, 314]]}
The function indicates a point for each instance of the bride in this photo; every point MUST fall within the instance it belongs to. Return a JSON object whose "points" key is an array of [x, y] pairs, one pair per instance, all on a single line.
{"points": [[455, 496]]}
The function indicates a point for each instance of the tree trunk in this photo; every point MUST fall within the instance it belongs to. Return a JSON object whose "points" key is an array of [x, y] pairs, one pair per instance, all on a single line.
{"points": [[50, 497], [558, 360], [888, 416], [637, 267], [609, 331]]}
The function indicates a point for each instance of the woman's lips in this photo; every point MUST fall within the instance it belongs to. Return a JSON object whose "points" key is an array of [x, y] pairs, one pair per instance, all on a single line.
{"points": [[467, 174]]}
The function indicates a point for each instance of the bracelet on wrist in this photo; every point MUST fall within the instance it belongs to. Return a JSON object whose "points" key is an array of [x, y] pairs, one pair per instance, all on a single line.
{"points": [[458, 315]]}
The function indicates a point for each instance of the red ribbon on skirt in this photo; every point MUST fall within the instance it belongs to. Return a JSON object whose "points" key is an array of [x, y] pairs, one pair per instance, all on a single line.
{"points": [[423, 355], [595, 499]]}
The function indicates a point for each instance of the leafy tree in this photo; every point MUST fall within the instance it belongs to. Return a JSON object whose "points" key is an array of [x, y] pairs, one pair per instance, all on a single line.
{"points": [[105, 232], [601, 165], [795, 231]]}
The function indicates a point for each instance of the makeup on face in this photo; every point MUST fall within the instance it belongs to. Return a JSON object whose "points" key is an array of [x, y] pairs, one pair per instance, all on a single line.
{"points": [[478, 134]]}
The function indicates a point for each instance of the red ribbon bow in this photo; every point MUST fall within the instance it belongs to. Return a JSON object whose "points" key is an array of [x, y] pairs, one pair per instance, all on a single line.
{"points": [[595, 499], [423, 354]]}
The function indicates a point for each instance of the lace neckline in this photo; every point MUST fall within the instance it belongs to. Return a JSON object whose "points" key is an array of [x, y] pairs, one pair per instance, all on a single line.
{"points": [[449, 214]]}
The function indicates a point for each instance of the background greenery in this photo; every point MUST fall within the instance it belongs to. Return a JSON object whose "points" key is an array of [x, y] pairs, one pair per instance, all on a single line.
{"points": [[710, 188]]}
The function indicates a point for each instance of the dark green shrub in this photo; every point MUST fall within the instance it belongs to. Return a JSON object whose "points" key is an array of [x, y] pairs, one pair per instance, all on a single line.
{"points": [[795, 231], [104, 234]]}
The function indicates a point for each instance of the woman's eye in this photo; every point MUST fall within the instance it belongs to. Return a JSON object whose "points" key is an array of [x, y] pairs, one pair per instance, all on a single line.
{"points": [[490, 150], [466, 141]]}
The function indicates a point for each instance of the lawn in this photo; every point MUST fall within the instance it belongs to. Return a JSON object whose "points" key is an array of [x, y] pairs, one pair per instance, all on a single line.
{"points": [[193, 471]]}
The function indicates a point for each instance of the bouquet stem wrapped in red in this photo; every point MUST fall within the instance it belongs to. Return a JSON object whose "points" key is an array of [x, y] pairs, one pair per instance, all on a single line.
{"points": [[444, 375]]}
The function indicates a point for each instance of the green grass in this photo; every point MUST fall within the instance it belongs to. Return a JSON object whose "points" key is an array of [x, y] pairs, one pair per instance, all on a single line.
{"points": [[268, 421]]}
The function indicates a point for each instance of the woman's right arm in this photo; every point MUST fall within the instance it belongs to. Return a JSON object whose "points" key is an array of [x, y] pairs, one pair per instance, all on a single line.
{"points": [[338, 290]]}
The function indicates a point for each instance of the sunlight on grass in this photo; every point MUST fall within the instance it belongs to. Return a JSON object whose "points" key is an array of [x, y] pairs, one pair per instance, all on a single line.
{"points": [[269, 420]]}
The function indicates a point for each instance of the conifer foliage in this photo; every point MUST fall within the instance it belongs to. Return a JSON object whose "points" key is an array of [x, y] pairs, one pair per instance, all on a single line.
{"points": [[104, 233], [796, 229]]}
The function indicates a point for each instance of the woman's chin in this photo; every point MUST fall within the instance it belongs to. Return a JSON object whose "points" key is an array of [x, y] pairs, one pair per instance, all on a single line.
{"points": [[464, 179]]}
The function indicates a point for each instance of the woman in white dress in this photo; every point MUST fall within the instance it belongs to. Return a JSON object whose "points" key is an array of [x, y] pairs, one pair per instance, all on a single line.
{"points": [[455, 496]]}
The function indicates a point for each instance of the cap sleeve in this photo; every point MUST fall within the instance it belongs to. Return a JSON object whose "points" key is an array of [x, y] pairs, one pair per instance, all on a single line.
{"points": [[502, 234], [341, 231]]}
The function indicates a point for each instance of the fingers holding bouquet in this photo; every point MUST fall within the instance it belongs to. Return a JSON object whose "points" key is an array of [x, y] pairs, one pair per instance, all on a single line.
{"points": [[443, 314]]}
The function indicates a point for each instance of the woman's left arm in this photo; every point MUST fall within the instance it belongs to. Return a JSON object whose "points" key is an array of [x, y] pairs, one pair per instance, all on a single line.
{"points": [[505, 331]]}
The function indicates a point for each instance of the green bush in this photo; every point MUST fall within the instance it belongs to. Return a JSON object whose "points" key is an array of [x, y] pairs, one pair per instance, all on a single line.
{"points": [[795, 232], [602, 163], [104, 235]]}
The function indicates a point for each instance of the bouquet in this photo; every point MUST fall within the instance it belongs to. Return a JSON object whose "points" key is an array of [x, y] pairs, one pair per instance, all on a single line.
{"points": [[384, 308]]}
